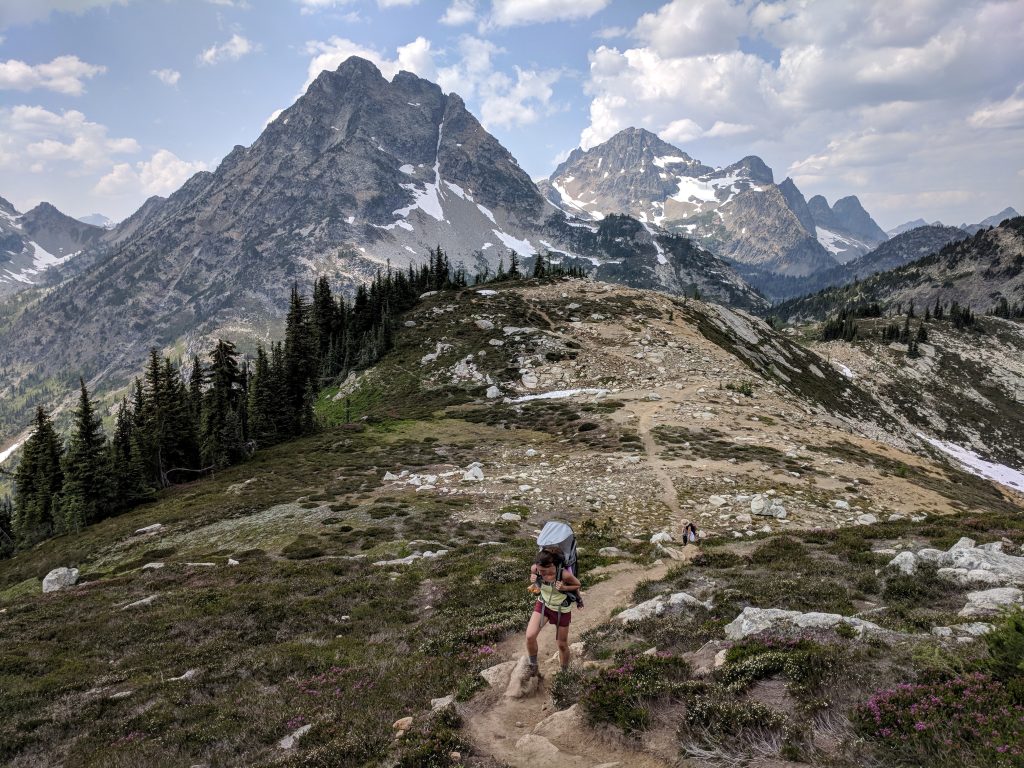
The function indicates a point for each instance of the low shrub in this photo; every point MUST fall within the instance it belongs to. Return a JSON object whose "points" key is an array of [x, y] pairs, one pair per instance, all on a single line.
{"points": [[620, 695], [967, 721], [567, 687], [714, 717]]}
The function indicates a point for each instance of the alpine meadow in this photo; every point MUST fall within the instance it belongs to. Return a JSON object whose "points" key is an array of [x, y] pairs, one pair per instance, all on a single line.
{"points": [[502, 383]]}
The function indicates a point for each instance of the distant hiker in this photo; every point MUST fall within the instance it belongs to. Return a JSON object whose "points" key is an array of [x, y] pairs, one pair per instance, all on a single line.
{"points": [[690, 535], [555, 588]]}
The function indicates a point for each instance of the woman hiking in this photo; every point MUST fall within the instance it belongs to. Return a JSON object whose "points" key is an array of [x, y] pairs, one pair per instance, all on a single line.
{"points": [[553, 587]]}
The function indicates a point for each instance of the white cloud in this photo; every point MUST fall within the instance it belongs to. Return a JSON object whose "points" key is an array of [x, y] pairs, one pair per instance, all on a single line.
{"points": [[849, 97], [315, 6], [26, 11], [459, 12], [231, 50], [692, 27], [162, 174], [65, 74], [512, 13], [166, 76], [1008, 113], [395, 3], [611, 33], [34, 140]]}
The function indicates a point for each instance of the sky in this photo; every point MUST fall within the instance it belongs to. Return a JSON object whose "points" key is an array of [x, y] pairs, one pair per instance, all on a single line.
{"points": [[915, 106]]}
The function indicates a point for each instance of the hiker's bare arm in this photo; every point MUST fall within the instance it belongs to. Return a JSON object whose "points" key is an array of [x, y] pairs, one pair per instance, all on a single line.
{"points": [[569, 583]]}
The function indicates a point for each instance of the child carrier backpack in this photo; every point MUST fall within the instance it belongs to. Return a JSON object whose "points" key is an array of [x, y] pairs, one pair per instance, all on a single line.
{"points": [[558, 538]]}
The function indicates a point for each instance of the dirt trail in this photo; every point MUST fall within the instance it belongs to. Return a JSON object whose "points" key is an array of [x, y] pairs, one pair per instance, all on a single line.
{"points": [[668, 489], [497, 724]]}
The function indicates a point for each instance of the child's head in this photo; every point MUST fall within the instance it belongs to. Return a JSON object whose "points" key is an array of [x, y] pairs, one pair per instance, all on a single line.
{"points": [[547, 564]]}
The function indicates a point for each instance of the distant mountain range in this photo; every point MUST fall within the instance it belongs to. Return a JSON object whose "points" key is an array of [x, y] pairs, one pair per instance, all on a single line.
{"points": [[36, 243], [98, 220], [737, 212], [359, 173], [973, 270], [991, 221]]}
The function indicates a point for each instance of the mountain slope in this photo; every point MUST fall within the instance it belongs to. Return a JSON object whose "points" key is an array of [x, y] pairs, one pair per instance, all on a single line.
{"points": [[899, 250], [33, 243], [360, 172], [991, 221], [974, 272], [736, 212]]}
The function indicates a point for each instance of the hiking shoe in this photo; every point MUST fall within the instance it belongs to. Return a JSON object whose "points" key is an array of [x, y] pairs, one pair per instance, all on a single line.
{"points": [[531, 670]]}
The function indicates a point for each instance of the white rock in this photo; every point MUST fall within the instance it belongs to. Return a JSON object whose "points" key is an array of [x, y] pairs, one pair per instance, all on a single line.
{"points": [[612, 552], [153, 566], [60, 578], [154, 528], [866, 519], [975, 577], [964, 543], [657, 606], [390, 477], [974, 629], [991, 601], [754, 620], [942, 631], [759, 505], [484, 325], [474, 474], [524, 488], [530, 453], [717, 501], [436, 704], [402, 724], [929, 555], [493, 392], [661, 538], [232, 562], [840, 504], [140, 603], [185, 677], [496, 343], [535, 749], [530, 380], [905, 562], [498, 675], [410, 323], [511, 517]]}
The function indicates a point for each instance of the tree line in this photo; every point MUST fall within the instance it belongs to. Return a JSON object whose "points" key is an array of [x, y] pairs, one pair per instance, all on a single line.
{"points": [[179, 422]]}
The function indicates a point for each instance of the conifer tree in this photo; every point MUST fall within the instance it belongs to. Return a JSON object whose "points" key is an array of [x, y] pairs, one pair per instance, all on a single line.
{"points": [[85, 497], [513, 266], [7, 542], [262, 422], [37, 481], [299, 357], [223, 441], [538, 266]]}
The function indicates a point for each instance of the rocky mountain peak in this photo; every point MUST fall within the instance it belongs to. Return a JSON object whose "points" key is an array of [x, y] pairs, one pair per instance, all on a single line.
{"points": [[753, 168], [852, 217], [7, 208]]}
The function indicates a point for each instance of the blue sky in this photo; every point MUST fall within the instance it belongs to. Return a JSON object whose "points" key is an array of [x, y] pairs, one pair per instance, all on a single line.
{"points": [[918, 108]]}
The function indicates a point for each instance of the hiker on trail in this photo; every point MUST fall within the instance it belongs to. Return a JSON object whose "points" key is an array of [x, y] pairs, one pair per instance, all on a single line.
{"points": [[553, 587], [690, 535]]}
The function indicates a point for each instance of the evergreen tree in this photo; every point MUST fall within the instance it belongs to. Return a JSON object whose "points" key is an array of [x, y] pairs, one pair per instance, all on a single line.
{"points": [[323, 322], [922, 334], [262, 404], [7, 542], [223, 441], [300, 356], [128, 483], [37, 481], [513, 266], [538, 266], [86, 494]]}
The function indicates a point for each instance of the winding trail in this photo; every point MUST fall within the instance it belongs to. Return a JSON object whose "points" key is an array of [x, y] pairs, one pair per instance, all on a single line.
{"points": [[669, 497], [519, 732]]}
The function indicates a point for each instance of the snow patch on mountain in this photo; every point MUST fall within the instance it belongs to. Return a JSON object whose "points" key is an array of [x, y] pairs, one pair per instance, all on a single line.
{"points": [[522, 247], [973, 463]]}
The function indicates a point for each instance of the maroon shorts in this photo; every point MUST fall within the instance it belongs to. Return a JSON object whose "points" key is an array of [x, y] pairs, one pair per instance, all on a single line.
{"points": [[554, 617]]}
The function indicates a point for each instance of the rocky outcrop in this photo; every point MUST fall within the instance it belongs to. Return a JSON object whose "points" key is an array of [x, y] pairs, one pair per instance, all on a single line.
{"points": [[967, 563], [755, 620], [658, 606], [991, 601], [60, 578]]}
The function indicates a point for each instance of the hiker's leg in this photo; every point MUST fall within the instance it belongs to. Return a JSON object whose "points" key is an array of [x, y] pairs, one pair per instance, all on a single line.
{"points": [[532, 631], [562, 637]]}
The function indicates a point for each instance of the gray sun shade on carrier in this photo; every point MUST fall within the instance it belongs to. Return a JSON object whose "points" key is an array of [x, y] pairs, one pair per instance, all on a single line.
{"points": [[556, 534]]}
